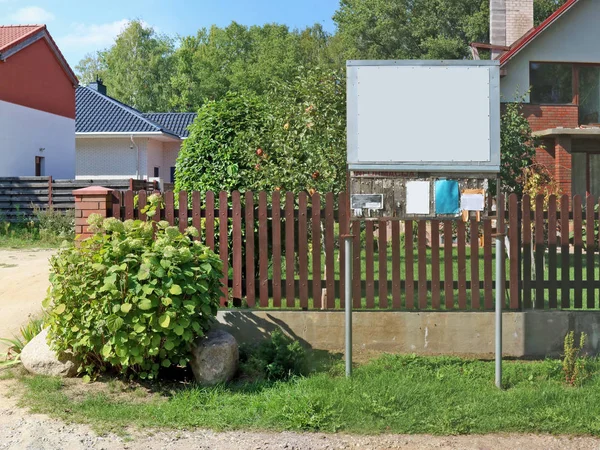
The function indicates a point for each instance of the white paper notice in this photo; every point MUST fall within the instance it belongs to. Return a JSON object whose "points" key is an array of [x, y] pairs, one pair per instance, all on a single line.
{"points": [[472, 202], [418, 197]]}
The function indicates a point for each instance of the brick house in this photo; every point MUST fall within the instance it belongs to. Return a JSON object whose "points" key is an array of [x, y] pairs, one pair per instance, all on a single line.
{"points": [[559, 61], [37, 105], [116, 141]]}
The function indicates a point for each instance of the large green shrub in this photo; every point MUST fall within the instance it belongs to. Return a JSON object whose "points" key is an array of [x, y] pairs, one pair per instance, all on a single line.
{"points": [[127, 302]]}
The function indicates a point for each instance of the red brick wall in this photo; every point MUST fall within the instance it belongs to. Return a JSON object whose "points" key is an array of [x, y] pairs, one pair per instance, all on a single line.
{"points": [[541, 117]]}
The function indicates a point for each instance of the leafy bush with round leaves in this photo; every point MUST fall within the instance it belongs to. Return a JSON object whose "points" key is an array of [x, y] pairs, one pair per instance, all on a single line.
{"points": [[128, 302]]}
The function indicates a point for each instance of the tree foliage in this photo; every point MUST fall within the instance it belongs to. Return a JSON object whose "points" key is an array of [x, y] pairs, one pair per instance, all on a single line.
{"points": [[517, 148], [292, 139]]}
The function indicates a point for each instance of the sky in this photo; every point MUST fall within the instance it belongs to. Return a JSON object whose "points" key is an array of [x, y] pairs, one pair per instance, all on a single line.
{"points": [[81, 27]]}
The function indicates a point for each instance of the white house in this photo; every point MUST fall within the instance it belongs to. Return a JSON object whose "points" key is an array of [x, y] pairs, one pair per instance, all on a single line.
{"points": [[116, 141]]}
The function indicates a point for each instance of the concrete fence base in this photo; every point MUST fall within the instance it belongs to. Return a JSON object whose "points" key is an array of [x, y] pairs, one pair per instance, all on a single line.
{"points": [[525, 334]]}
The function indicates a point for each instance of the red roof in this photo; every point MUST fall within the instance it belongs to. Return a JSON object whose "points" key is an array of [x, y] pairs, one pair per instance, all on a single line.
{"points": [[534, 32], [12, 35]]}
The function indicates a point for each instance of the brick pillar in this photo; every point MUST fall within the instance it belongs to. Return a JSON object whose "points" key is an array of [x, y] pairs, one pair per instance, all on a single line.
{"points": [[90, 200], [562, 158]]}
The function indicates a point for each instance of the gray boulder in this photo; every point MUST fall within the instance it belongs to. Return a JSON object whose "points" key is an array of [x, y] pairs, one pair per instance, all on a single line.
{"points": [[214, 358], [38, 358]]}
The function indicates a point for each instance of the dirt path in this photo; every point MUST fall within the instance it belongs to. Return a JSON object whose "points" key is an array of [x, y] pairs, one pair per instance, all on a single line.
{"points": [[21, 430], [23, 284]]}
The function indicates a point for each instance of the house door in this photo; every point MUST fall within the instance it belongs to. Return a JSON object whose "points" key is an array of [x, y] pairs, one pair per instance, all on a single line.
{"points": [[39, 166], [586, 174]]}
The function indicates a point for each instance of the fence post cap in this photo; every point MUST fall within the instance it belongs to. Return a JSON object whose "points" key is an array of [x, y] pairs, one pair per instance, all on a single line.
{"points": [[92, 190]]}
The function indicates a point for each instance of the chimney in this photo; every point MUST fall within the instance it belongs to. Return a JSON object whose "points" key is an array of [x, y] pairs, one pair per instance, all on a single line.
{"points": [[98, 86], [509, 21]]}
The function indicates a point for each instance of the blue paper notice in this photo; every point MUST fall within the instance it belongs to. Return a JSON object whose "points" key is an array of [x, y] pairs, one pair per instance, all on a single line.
{"points": [[446, 197]]}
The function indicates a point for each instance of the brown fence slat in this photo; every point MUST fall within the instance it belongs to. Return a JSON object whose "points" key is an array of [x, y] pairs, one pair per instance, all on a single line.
{"points": [[552, 267], [435, 264], [316, 249], [382, 254], [142, 200], [540, 251], [197, 214], [513, 250], [276, 242], [236, 206], [422, 263], [369, 265], [462, 264], [448, 265], [474, 248], [527, 262], [303, 248], [210, 219], [329, 251], [577, 251], [590, 241], [249, 213], [263, 249], [396, 299], [488, 301], [343, 230], [290, 294], [223, 244], [409, 269], [170, 207], [183, 211], [565, 293], [356, 272], [129, 213], [116, 204]]}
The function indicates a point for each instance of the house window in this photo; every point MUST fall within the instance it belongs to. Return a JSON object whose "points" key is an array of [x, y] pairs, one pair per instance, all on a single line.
{"points": [[172, 174], [551, 83], [589, 95], [586, 174], [156, 172]]}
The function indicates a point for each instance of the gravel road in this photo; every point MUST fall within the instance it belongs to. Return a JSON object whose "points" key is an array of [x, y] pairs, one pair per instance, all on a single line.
{"points": [[23, 431], [23, 284]]}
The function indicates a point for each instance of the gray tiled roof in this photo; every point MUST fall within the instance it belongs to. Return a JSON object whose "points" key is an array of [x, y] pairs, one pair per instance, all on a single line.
{"points": [[98, 113], [176, 122]]}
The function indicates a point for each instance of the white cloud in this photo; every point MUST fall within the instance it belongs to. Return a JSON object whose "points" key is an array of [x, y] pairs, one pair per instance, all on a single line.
{"points": [[92, 37], [32, 15]]}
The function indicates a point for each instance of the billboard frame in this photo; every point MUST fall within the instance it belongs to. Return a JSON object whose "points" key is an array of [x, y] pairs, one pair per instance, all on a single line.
{"points": [[489, 167]]}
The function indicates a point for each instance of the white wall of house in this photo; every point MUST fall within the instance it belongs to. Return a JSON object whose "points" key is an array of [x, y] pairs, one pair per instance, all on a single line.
{"points": [[111, 158], [572, 38], [171, 151], [24, 131], [155, 159]]}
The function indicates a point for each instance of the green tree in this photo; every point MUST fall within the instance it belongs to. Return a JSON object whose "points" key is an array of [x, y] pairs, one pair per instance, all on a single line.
{"points": [[293, 138], [239, 58], [411, 29], [91, 67], [517, 148], [543, 8], [138, 68]]}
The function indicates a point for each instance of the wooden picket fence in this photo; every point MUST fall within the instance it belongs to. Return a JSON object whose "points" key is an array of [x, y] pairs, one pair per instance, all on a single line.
{"points": [[285, 251]]}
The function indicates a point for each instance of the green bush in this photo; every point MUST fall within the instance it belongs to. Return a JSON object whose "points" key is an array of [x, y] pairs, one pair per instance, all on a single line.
{"points": [[57, 224], [279, 358], [127, 302]]}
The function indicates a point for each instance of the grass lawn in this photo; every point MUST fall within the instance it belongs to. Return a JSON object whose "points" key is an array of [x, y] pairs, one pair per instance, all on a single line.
{"points": [[393, 394], [22, 236]]}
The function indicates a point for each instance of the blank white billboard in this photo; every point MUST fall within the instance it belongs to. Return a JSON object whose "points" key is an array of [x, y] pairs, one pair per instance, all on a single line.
{"points": [[424, 115]]}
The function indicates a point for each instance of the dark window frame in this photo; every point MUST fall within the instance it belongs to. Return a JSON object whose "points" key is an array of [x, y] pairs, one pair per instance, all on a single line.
{"points": [[156, 172], [574, 82]]}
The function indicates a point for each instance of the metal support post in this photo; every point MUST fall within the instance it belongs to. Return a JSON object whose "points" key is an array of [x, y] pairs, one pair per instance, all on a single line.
{"points": [[348, 305], [500, 234]]}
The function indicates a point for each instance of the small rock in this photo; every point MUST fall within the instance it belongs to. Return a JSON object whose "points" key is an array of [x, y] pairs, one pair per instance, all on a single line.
{"points": [[214, 358], [39, 359]]}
